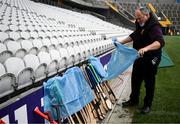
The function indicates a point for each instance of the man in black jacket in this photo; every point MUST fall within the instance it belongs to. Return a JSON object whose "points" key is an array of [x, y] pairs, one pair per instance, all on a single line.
{"points": [[148, 40]]}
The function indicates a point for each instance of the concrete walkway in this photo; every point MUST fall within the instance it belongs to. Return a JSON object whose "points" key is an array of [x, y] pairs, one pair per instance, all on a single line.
{"points": [[119, 114]]}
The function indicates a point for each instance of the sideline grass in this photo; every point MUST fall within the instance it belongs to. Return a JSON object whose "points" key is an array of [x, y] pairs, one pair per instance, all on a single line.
{"points": [[166, 104]]}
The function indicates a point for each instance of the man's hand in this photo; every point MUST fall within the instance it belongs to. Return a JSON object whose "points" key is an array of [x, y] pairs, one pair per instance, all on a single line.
{"points": [[154, 46], [142, 51], [114, 40]]}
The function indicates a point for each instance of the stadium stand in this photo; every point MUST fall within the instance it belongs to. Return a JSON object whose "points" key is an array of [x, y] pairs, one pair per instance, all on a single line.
{"points": [[36, 44], [168, 9], [172, 11]]}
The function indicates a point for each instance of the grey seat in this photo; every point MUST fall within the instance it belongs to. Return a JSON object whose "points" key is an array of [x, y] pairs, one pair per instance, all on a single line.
{"points": [[23, 74], [4, 53], [28, 46], [55, 55], [25, 35], [7, 82], [52, 65], [15, 48], [3, 37], [39, 69], [64, 58], [14, 36]]}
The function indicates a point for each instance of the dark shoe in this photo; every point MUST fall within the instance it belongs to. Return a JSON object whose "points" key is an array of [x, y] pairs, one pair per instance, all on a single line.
{"points": [[129, 103], [145, 110]]}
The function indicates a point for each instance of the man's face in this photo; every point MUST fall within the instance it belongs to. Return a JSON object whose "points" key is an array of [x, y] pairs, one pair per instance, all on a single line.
{"points": [[141, 19]]}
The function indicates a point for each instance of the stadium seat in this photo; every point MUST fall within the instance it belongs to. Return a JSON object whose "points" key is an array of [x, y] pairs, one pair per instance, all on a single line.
{"points": [[44, 28], [4, 53], [6, 20], [52, 65], [96, 48], [13, 28], [33, 34], [32, 61], [37, 28], [22, 27], [49, 34], [38, 44], [61, 41], [77, 51], [71, 51], [88, 50], [4, 28], [65, 58], [25, 35], [83, 51], [7, 82], [54, 42], [23, 74], [46, 42], [15, 48], [55, 56], [3, 37], [14, 36], [42, 34], [66, 40], [15, 22], [28, 46]]}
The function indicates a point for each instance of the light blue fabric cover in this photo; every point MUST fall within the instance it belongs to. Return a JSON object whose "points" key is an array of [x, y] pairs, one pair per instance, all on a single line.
{"points": [[71, 92], [97, 66], [122, 57]]}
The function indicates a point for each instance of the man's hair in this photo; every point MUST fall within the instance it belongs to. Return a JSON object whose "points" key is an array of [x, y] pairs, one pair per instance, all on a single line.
{"points": [[144, 10]]}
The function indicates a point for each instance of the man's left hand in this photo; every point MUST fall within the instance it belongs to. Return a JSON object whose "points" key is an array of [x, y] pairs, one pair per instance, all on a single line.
{"points": [[142, 51]]}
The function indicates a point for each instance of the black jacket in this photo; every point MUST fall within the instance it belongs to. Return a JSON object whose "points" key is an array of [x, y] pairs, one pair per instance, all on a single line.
{"points": [[147, 34]]}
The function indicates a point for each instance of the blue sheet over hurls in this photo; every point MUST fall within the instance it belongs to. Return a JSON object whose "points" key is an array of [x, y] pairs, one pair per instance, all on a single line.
{"points": [[122, 57], [70, 93]]}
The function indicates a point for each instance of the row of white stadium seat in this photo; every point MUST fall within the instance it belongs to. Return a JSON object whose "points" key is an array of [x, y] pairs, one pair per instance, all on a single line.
{"points": [[17, 36], [21, 72], [23, 47]]}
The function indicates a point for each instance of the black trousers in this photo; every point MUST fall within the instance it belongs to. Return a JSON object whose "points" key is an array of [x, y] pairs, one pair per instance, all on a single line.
{"points": [[144, 69]]}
